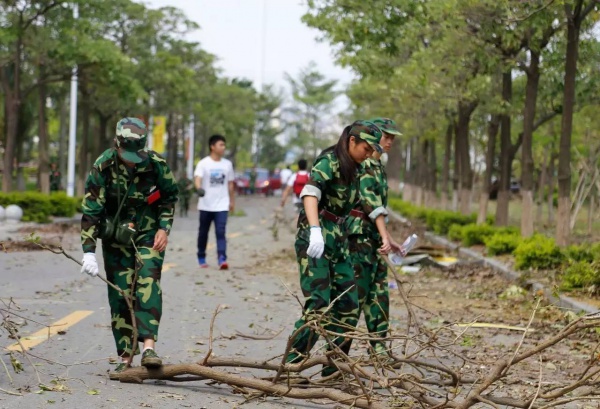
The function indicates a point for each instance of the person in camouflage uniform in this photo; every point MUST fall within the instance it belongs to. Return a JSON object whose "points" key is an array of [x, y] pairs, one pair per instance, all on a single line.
{"points": [[142, 181], [367, 235], [55, 177], [321, 243], [186, 187]]}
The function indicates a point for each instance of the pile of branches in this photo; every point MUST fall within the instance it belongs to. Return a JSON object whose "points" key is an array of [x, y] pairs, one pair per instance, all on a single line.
{"points": [[425, 368]]}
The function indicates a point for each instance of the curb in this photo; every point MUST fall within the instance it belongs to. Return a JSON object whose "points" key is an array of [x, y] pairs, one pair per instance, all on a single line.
{"points": [[562, 301]]}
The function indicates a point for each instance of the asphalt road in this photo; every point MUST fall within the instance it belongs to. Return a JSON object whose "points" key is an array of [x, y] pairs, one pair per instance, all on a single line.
{"points": [[50, 289]]}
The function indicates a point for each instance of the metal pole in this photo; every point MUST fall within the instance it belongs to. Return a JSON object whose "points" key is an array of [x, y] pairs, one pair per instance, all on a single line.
{"points": [[190, 162], [72, 125]]}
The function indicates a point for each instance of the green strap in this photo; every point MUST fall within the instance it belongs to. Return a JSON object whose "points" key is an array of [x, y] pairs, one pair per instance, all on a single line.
{"points": [[121, 202]]}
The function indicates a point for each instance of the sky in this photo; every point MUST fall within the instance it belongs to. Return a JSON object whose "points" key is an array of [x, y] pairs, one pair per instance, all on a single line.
{"points": [[233, 31]]}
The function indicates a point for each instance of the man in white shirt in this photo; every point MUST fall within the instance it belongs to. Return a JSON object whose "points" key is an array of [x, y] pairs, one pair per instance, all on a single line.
{"points": [[285, 175], [214, 180]]}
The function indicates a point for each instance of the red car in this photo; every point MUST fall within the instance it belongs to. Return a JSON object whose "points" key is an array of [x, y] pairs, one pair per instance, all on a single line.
{"points": [[265, 183]]}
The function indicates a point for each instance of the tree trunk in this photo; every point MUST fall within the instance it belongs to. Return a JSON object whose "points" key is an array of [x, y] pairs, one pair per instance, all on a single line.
{"points": [[503, 197], [430, 194], [541, 186], [420, 182], [446, 166], [550, 188], [527, 166], [564, 152], [408, 190], [493, 127], [394, 164], [84, 145], [44, 159], [104, 142], [465, 109], [591, 209], [456, 174], [171, 141]]}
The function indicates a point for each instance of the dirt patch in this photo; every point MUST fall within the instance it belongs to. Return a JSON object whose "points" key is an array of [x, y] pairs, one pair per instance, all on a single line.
{"points": [[468, 293]]}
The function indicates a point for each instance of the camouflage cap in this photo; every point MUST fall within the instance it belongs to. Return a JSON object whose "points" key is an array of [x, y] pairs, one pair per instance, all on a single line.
{"points": [[131, 139], [386, 125], [368, 132]]}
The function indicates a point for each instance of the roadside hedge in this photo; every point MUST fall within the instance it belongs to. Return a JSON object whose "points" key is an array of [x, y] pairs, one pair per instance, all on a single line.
{"points": [[578, 265], [39, 207]]}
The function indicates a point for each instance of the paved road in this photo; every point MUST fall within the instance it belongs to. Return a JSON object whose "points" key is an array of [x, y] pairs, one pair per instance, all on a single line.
{"points": [[50, 289]]}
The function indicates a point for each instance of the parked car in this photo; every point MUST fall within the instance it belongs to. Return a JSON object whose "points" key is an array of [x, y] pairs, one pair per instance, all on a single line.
{"points": [[242, 184], [515, 188], [265, 182]]}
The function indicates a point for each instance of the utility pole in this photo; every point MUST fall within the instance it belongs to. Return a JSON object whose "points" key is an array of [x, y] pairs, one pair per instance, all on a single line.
{"points": [[72, 125]]}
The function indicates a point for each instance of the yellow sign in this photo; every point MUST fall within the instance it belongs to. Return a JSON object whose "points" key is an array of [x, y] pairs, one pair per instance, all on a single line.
{"points": [[159, 130]]}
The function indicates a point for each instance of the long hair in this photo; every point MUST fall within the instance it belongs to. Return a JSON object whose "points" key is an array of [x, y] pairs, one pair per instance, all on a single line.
{"points": [[340, 149]]}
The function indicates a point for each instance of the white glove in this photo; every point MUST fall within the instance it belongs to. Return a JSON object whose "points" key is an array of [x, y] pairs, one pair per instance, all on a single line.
{"points": [[316, 245], [90, 265]]}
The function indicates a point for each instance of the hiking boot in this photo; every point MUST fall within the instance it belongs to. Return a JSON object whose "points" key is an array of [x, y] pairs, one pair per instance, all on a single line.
{"points": [[202, 262], [150, 359], [223, 263], [114, 375]]}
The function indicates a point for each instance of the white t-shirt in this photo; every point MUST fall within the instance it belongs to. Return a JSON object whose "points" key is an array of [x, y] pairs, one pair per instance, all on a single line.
{"points": [[216, 176], [285, 175], [291, 182]]}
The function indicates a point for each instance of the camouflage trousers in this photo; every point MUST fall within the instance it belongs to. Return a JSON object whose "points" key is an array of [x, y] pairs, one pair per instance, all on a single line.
{"points": [[120, 263], [322, 281], [371, 280]]}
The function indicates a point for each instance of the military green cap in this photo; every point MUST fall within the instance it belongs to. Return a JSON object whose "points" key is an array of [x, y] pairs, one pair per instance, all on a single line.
{"points": [[368, 132], [131, 139], [387, 125]]}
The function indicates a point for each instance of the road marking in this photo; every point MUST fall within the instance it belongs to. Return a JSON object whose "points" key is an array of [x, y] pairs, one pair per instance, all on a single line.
{"points": [[167, 266], [44, 334]]}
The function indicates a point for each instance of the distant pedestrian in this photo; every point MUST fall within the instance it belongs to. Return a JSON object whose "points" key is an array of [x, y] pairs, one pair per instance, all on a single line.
{"points": [[55, 178], [285, 175], [186, 188], [295, 184], [215, 181]]}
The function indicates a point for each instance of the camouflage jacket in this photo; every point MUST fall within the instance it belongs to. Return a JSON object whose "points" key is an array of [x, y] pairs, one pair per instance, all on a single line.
{"points": [[186, 187], [373, 198], [147, 177], [334, 196]]}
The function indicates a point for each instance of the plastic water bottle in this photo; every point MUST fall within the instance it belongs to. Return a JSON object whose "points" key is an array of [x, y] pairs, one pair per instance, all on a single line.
{"points": [[407, 246]]}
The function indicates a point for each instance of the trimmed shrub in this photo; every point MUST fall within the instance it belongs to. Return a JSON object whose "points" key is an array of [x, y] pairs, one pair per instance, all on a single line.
{"points": [[538, 252], [456, 232], [581, 274], [39, 207], [502, 243], [476, 234], [441, 221]]}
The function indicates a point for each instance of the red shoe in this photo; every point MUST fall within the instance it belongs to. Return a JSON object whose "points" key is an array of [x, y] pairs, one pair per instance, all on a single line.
{"points": [[223, 264]]}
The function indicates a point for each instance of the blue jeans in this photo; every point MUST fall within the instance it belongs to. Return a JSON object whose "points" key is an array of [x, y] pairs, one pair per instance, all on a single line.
{"points": [[220, 219]]}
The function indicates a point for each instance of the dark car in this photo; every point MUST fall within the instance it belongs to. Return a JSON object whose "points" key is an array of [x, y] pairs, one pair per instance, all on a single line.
{"points": [[515, 188], [265, 182]]}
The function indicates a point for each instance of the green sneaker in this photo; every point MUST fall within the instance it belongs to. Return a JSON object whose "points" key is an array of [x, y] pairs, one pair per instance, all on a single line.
{"points": [[328, 371], [150, 359], [114, 375]]}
